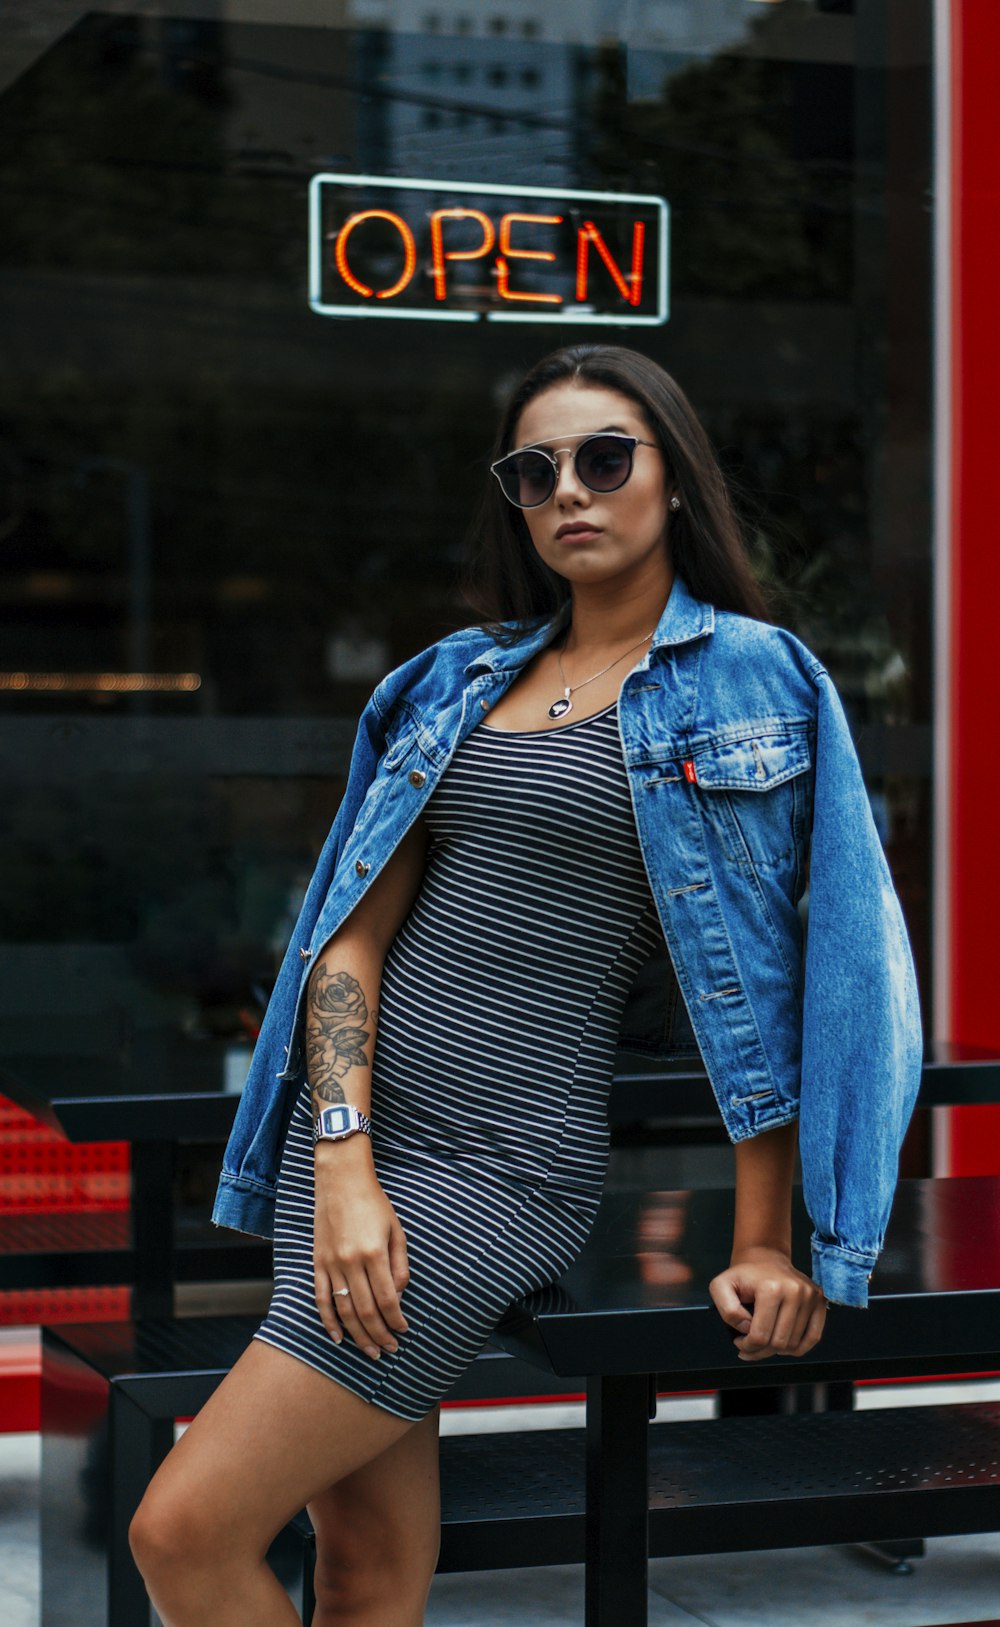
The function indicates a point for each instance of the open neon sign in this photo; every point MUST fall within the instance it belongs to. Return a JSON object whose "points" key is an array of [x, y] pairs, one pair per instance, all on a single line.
{"points": [[461, 253]]}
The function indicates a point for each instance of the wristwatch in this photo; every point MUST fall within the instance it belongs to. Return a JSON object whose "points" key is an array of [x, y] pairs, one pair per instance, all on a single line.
{"points": [[337, 1123]]}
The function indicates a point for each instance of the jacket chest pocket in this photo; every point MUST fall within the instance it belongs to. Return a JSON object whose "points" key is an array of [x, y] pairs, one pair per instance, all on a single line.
{"points": [[408, 743], [402, 754], [756, 794], [399, 747]]}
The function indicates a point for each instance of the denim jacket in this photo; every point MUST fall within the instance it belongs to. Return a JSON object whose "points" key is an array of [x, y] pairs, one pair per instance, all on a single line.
{"points": [[746, 787]]}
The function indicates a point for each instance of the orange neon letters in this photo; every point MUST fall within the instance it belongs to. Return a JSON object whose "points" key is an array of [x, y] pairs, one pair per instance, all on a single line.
{"points": [[627, 283], [587, 234], [438, 252], [506, 252], [409, 250]]}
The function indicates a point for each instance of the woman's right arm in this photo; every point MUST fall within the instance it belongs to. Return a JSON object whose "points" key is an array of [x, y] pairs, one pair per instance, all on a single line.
{"points": [[358, 1240]]}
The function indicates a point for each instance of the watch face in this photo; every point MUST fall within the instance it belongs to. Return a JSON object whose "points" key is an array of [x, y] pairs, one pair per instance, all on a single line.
{"points": [[334, 1120]]}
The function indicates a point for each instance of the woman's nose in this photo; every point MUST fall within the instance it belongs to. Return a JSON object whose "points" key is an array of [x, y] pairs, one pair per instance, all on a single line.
{"points": [[569, 487]]}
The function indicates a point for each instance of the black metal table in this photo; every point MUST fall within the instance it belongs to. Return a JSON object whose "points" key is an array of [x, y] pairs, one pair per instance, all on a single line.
{"points": [[633, 1315], [156, 1121]]}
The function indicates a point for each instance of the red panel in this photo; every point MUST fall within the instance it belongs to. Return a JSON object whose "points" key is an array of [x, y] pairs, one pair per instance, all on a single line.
{"points": [[975, 580], [20, 1403], [20, 1383]]}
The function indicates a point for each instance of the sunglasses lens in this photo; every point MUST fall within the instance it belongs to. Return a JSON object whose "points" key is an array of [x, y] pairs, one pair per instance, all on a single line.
{"points": [[604, 463], [527, 478]]}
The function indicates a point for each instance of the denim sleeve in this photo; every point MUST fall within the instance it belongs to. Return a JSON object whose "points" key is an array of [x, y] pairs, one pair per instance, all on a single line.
{"points": [[862, 1041], [245, 1199]]}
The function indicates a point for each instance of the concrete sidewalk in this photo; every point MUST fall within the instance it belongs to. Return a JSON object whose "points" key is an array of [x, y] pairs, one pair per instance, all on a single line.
{"points": [[959, 1580]]}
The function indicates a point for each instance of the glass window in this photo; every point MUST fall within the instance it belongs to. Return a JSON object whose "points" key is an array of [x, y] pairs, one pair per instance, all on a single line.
{"points": [[223, 518]]}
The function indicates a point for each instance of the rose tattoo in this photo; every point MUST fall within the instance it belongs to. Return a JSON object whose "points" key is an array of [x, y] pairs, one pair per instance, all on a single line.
{"points": [[335, 1039], [338, 994]]}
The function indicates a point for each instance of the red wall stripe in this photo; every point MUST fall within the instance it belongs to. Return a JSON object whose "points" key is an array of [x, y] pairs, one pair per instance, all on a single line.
{"points": [[975, 561]]}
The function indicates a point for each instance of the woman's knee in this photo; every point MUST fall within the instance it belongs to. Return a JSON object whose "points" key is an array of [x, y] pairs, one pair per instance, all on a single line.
{"points": [[166, 1531]]}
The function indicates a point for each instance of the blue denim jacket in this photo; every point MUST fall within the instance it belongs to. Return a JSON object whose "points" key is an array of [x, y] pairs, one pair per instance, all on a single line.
{"points": [[746, 786]]}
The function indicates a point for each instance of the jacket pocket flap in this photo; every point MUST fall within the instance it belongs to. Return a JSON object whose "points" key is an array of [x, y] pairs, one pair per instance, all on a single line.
{"points": [[399, 748], [756, 762]]}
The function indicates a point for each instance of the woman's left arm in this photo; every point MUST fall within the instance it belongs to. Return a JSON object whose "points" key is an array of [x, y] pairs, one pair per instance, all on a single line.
{"points": [[775, 1310]]}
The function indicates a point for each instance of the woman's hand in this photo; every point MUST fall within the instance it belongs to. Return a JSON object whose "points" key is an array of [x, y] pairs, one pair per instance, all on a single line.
{"points": [[358, 1244], [775, 1310]]}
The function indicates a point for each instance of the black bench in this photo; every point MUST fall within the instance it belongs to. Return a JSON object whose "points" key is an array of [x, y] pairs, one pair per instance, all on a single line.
{"points": [[620, 1488]]}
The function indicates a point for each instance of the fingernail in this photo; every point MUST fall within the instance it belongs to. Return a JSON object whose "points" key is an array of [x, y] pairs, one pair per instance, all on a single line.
{"points": [[392, 1346], [372, 1352]]}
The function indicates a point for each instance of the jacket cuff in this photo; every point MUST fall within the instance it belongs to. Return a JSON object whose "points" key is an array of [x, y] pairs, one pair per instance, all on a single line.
{"points": [[244, 1208], [842, 1273]]}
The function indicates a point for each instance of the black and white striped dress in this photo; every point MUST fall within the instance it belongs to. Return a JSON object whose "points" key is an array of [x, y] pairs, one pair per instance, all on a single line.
{"points": [[497, 1024]]}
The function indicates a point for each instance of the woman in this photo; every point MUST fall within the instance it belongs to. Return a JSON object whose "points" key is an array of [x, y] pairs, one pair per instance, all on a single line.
{"points": [[628, 760]]}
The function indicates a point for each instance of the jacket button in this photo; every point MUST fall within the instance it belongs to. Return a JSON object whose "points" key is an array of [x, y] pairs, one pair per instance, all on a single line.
{"points": [[485, 705], [305, 954], [361, 867], [416, 777]]}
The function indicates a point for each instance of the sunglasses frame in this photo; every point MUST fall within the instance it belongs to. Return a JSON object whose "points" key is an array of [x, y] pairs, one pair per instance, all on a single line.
{"points": [[631, 441]]}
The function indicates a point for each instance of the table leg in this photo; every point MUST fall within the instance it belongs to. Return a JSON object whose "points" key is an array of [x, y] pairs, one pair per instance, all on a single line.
{"points": [[617, 1520], [153, 1227], [139, 1443], [74, 1512]]}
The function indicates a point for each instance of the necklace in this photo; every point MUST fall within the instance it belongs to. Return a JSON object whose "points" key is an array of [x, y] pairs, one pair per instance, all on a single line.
{"points": [[564, 704]]}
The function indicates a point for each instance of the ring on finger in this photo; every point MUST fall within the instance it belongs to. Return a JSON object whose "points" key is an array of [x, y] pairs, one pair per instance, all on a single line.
{"points": [[342, 1292]]}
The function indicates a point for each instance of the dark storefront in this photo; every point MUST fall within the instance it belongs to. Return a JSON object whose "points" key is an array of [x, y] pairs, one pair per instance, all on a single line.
{"points": [[225, 516]]}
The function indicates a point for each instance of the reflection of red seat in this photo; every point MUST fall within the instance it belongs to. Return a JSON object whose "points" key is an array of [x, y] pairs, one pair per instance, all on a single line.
{"points": [[39, 1169], [42, 1175]]}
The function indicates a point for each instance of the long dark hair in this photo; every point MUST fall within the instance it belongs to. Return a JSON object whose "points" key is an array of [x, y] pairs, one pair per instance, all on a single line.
{"points": [[505, 580]]}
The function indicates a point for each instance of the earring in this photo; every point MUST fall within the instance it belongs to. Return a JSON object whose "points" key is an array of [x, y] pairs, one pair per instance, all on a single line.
{"points": [[675, 503]]}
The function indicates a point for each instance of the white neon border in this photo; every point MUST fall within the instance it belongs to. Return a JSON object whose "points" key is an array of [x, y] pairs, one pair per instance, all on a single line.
{"points": [[394, 182], [943, 543]]}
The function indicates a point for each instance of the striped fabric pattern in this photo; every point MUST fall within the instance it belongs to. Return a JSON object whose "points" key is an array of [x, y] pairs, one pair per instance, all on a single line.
{"points": [[497, 1025]]}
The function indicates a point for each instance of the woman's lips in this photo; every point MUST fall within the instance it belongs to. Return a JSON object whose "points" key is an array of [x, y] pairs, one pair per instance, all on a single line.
{"points": [[577, 533]]}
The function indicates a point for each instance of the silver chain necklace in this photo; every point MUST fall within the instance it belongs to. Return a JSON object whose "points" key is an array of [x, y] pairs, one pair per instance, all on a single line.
{"points": [[564, 704]]}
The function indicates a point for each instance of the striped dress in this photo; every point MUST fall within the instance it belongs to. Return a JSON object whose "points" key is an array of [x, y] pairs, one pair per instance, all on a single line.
{"points": [[497, 1026]]}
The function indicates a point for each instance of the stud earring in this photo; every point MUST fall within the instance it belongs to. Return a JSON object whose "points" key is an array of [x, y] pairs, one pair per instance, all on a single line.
{"points": [[675, 503]]}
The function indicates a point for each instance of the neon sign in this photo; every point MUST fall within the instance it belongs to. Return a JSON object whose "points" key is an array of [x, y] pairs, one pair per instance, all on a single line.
{"points": [[455, 252]]}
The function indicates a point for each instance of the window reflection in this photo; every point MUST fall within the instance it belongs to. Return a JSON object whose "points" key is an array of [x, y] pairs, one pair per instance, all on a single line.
{"points": [[198, 476]]}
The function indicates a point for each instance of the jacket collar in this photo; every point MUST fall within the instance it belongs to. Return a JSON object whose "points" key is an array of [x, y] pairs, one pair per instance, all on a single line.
{"points": [[511, 657], [684, 618]]}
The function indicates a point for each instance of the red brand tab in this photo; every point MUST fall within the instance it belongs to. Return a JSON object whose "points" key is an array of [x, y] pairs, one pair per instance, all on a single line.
{"points": [[690, 772]]}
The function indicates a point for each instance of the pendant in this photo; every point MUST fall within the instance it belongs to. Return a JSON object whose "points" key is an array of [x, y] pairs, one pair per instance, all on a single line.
{"points": [[560, 707]]}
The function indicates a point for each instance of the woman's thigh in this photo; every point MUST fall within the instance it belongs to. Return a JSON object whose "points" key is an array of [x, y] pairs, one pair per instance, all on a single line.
{"points": [[275, 1435], [383, 1522]]}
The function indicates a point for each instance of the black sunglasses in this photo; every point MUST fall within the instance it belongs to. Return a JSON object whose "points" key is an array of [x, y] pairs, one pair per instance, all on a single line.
{"points": [[603, 463]]}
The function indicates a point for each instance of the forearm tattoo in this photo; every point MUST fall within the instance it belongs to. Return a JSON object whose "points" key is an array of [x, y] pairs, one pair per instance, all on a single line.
{"points": [[335, 1033]]}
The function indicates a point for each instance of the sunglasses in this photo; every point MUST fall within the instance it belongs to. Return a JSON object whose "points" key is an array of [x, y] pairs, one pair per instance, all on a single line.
{"points": [[603, 463]]}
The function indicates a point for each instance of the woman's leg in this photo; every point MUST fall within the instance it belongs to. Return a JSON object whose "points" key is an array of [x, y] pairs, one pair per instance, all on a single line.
{"points": [[378, 1532], [275, 1436]]}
